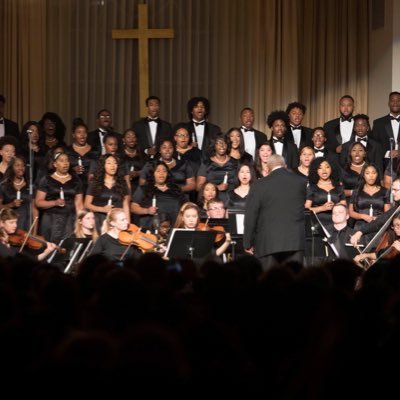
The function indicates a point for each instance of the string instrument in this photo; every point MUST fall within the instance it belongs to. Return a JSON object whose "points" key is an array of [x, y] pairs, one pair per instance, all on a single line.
{"points": [[203, 226], [133, 235], [390, 251], [33, 242]]}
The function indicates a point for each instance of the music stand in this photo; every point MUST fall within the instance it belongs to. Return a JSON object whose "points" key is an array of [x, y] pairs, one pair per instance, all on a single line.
{"points": [[236, 229], [187, 243], [74, 248]]}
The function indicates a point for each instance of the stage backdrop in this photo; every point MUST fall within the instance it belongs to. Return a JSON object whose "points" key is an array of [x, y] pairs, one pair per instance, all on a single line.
{"points": [[58, 55]]}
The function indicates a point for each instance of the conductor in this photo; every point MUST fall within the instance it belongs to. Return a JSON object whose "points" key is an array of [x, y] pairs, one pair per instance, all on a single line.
{"points": [[274, 221]]}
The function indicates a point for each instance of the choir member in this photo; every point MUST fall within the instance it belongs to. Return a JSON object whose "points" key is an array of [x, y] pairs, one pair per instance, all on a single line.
{"points": [[59, 196], [261, 162], [107, 190], [208, 192], [306, 156], [298, 134], [237, 198], [236, 143], [54, 129], [7, 153]]}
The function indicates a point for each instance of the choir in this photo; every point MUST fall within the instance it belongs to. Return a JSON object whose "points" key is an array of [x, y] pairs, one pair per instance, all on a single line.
{"points": [[159, 176]]}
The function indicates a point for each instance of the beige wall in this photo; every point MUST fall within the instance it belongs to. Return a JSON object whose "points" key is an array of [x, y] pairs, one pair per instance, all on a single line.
{"points": [[384, 68]]}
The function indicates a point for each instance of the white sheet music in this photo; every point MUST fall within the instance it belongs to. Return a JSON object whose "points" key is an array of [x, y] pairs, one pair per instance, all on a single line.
{"points": [[240, 224]]}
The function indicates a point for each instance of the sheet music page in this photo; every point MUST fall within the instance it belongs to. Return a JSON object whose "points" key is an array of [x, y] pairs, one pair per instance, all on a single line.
{"points": [[240, 224]]}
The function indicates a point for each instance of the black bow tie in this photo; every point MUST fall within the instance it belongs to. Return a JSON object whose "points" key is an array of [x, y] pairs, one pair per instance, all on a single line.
{"points": [[103, 133], [362, 139], [152, 119], [321, 150], [396, 118], [199, 123], [348, 119], [247, 130], [295, 127], [276, 140]]}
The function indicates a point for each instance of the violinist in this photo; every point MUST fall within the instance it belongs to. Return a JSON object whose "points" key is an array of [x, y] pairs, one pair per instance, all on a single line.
{"points": [[8, 228], [85, 226], [389, 246], [374, 226], [108, 243], [188, 218]]}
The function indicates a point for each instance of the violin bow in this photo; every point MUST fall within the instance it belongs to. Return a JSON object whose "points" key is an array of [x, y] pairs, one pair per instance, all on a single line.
{"points": [[328, 236], [28, 234], [368, 247]]}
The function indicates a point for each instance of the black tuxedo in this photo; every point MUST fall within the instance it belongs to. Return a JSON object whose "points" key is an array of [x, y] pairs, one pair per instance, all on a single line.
{"points": [[94, 140], [210, 132], [305, 137], [382, 132], [333, 136], [274, 219], [142, 130], [11, 128], [289, 153], [374, 152], [259, 137]]}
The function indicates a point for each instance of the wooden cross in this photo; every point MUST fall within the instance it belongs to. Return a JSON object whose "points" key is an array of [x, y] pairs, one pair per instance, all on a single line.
{"points": [[143, 34]]}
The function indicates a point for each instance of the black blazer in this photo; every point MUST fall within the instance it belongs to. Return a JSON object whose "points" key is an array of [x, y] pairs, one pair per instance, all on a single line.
{"points": [[210, 132], [11, 129], [289, 153], [274, 218], [94, 140], [142, 130], [305, 138], [382, 132], [332, 131], [374, 152]]}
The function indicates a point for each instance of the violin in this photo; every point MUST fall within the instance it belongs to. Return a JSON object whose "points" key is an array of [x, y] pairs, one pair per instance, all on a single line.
{"points": [[133, 235], [33, 242], [390, 252], [203, 226]]}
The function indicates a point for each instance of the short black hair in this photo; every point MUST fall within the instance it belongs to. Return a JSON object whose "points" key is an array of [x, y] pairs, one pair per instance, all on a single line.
{"points": [[346, 96], [318, 128], [195, 100], [152, 98], [246, 109], [296, 104], [275, 115], [361, 116], [393, 94]]}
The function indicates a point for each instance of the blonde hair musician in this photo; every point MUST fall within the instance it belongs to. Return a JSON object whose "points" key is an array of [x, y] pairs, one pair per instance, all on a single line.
{"points": [[85, 226]]}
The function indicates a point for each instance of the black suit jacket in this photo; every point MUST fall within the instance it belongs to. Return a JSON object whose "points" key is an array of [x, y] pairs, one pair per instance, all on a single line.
{"points": [[210, 132], [374, 152], [290, 153], [382, 132], [332, 131], [94, 140], [11, 129], [305, 138], [142, 130], [274, 219]]}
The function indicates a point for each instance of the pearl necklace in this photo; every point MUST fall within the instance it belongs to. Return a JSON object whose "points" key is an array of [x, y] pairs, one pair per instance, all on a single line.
{"points": [[358, 166], [19, 183], [168, 162], [61, 176]]}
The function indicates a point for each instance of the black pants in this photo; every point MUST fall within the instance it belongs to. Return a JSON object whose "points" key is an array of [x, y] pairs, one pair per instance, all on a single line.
{"points": [[272, 260]]}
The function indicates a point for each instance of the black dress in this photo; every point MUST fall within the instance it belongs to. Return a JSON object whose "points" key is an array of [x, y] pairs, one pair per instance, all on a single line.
{"points": [[363, 203], [179, 173], [169, 201], [86, 160], [112, 248], [103, 198], [8, 193], [235, 201], [215, 173], [129, 164], [58, 222], [350, 179], [193, 156], [319, 197]]}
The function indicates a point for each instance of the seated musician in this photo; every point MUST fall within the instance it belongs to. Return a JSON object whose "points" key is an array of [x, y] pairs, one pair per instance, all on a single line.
{"points": [[389, 246], [108, 243], [340, 232], [188, 218], [85, 226], [8, 228]]}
